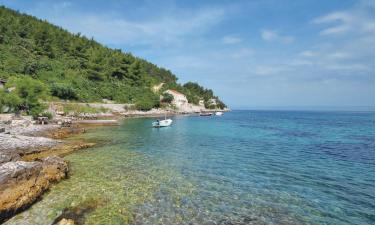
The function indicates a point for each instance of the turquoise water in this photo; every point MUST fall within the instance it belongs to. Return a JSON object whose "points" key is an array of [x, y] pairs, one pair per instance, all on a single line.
{"points": [[246, 167]]}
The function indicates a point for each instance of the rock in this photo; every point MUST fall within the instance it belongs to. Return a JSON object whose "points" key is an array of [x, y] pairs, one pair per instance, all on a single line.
{"points": [[20, 123], [7, 156], [65, 132], [26, 143], [65, 222], [21, 183], [55, 168], [59, 150]]}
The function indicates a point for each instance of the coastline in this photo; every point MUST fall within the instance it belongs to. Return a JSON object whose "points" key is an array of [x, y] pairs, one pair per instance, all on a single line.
{"points": [[31, 156], [31, 162]]}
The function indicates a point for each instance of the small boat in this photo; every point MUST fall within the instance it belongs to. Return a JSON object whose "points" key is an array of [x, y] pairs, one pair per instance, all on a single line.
{"points": [[218, 113], [162, 123], [206, 114]]}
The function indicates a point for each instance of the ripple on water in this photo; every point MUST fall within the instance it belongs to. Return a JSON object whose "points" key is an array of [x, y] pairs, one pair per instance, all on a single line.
{"points": [[242, 168]]}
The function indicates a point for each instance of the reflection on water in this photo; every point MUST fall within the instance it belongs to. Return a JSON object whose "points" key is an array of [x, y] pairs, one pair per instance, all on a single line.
{"points": [[246, 167]]}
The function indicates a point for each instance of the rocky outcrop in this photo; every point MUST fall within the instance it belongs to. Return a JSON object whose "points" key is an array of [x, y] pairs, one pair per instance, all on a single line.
{"points": [[9, 142], [65, 132], [59, 150], [21, 183], [7, 156]]}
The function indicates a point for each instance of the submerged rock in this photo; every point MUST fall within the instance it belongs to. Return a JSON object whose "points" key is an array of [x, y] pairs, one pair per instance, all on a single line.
{"points": [[55, 168], [65, 222], [21, 183], [65, 132], [77, 214], [59, 150]]}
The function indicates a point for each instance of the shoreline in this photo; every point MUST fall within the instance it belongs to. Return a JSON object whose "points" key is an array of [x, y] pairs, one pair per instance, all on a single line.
{"points": [[31, 162], [31, 157]]}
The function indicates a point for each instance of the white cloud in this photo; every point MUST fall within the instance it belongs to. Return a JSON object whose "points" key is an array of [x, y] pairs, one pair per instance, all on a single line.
{"points": [[308, 53], [241, 53], [269, 70], [170, 27], [356, 20], [339, 55], [271, 35], [231, 40]]}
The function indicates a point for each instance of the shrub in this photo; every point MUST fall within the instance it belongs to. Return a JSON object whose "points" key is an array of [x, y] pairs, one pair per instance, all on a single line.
{"points": [[82, 108], [26, 95], [63, 91], [167, 98], [144, 104], [47, 114]]}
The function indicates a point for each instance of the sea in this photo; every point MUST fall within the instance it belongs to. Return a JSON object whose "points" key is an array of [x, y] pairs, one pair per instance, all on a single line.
{"points": [[245, 167]]}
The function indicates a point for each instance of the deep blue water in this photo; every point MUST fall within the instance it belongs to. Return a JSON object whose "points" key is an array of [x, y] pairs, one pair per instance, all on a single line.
{"points": [[270, 166], [246, 167]]}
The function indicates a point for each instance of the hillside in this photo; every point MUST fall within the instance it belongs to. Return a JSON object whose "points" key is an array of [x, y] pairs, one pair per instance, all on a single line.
{"points": [[65, 66]]}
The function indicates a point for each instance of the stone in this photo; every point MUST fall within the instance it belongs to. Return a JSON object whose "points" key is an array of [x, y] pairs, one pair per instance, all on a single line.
{"points": [[21, 183], [7, 156], [65, 222], [55, 168]]}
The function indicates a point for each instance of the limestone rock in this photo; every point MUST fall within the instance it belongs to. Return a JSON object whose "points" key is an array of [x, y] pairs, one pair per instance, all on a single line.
{"points": [[21, 183], [55, 168], [65, 222], [25, 143], [7, 156]]}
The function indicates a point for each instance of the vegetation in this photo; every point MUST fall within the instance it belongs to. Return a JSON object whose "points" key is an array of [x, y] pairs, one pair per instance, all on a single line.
{"points": [[77, 108], [167, 98], [62, 65], [147, 101], [194, 93], [24, 94]]}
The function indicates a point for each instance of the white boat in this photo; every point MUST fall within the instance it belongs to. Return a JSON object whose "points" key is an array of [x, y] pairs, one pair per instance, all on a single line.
{"points": [[218, 113], [162, 123], [205, 114]]}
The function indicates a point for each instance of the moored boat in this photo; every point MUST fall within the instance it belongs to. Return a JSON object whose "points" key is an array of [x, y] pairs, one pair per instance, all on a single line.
{"points": [[218, 113], [162, 123], [206, 114]]}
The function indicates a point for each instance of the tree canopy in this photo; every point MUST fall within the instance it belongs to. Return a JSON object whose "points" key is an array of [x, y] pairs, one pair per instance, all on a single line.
{"points": [[74, 67]]}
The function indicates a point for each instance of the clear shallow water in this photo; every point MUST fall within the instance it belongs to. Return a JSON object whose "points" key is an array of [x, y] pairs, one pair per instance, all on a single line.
{"points": [[246, 167]]}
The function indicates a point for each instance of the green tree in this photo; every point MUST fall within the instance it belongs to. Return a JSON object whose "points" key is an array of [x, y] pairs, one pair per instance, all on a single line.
{"points": [[63, 91], [25, 95], [147, 100], [167, 98], [88, 70]]}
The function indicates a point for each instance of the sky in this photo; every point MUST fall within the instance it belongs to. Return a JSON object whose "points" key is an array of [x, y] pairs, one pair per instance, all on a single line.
{"points": [[252, 53]]}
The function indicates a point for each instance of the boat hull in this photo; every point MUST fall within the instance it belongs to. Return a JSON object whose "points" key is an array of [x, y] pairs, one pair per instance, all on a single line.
{"points": [[162, 123], [206, 114]]}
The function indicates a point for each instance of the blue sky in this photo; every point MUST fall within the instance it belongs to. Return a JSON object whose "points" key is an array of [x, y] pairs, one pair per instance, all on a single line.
{"points": [[253, 54]]}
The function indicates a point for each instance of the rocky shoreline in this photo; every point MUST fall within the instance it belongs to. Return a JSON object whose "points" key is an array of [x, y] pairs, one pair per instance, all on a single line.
{"points": [[31, 157], [30, 162]]}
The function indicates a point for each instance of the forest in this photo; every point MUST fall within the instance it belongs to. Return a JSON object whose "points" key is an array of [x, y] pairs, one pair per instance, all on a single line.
{"points": [[44, 61]]}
